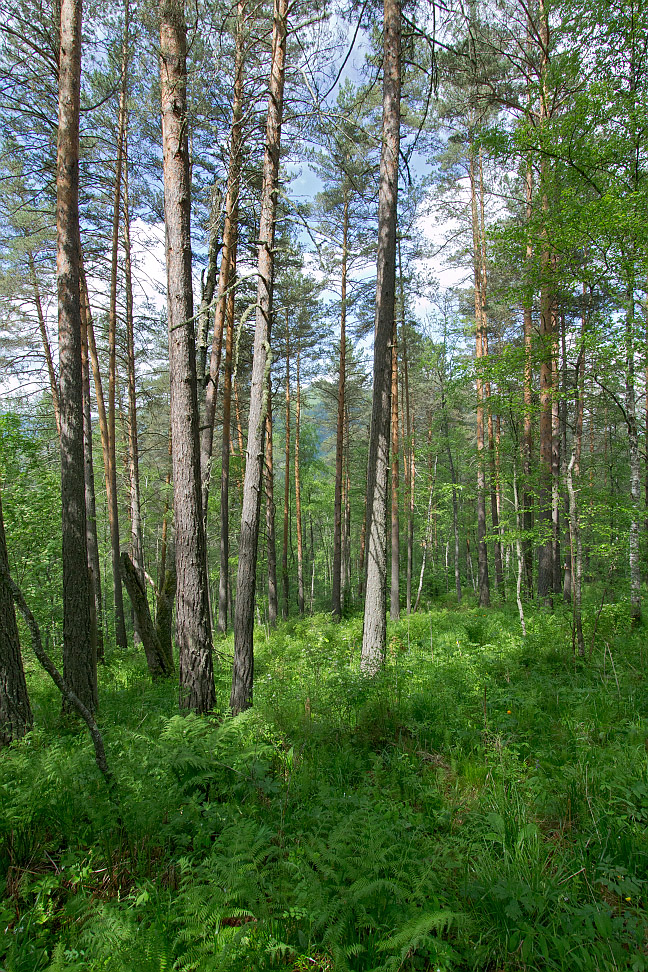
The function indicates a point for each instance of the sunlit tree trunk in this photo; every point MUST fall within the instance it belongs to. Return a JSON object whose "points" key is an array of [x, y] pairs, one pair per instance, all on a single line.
{"points": [[374, 639], [51, 372], [192, 616], [243, 673], [94, 565], [79, 650], [120, 625], [228, 257], [223, 581]]}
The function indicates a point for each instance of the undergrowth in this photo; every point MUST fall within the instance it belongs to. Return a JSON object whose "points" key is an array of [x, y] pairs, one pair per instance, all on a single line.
{"points": [[482, 804]]}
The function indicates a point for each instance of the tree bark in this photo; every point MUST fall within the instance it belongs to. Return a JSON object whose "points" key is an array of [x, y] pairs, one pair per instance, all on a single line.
{"points": [[137, 544], [273, 604], [635, 468], [94, 565], [223, 580], [120, 624], [394, 588], [482, 549], [228, 259], [157, 661], [53, 380], [286, 511], [243, 674], [15, 711], [193, 620], [298, 510], [79, 651], [374, 638], [338, 542]]}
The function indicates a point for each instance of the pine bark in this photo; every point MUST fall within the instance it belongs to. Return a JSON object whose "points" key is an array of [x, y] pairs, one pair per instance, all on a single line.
{"points": [[94, 565], [192, 612], [243, 673], [223, 580], [286, 511], [120, 624], [298, 509], [394, 588], [336, 593], [79, 651], [273, 600], [15, 711], [228, 258], [374, 638]]}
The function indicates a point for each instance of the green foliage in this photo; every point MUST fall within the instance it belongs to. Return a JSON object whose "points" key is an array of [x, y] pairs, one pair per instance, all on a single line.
{"points": [[481, 804]]}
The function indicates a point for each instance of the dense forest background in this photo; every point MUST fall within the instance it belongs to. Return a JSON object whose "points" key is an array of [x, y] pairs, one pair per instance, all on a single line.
{"points": [[323, 420]]}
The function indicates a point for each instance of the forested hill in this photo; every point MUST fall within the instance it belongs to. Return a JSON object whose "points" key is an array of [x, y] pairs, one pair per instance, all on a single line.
{"points": [[324, 485]]}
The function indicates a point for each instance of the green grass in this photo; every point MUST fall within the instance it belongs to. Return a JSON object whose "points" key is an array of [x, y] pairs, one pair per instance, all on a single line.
{"points": [[483, 804]]}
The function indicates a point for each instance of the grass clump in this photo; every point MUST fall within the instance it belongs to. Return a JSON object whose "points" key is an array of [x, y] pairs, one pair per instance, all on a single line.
{"points": [[481, 804]]}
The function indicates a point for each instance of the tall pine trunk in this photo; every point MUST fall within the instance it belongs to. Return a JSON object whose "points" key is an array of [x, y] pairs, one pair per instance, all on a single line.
{"points": [[228, 259], [374, 637], [273, 603], [79, 651], [338, 541], [285, 579], [298, 509], [394, 588], [192, 601], [243, 673]]}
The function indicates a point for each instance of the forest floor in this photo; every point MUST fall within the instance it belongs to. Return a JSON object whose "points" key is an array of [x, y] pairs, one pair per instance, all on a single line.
{"points": [[483, 804]]}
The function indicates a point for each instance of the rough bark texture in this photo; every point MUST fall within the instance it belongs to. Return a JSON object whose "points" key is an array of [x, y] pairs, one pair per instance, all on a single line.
{"points": [[635, 468], [273, 603], [223, 580], [394, 587], [374, 637], [15, 711], [79, 652], [164, 616], [285, 578], [155, 658], [243, 674], [137, 544], [94, 564], [193, 621], [228, 258]]}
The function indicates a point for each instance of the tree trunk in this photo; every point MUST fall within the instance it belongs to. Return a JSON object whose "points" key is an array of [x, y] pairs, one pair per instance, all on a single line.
{"points": [[482, 549], [228, 259], [336, 594], [223, 581], [193, 620], [15, 711], [298, 516], [243, 674], [120, 625], [79, 651], [53, 380], [394, 589], [137, 545], [286, 511], [273, 605], [374, 638], [94, 565], [158, 663]]}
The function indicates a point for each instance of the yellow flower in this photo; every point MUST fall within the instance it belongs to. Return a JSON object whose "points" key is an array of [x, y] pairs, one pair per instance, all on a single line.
{"points": [[628, 899], [508, 711]]}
